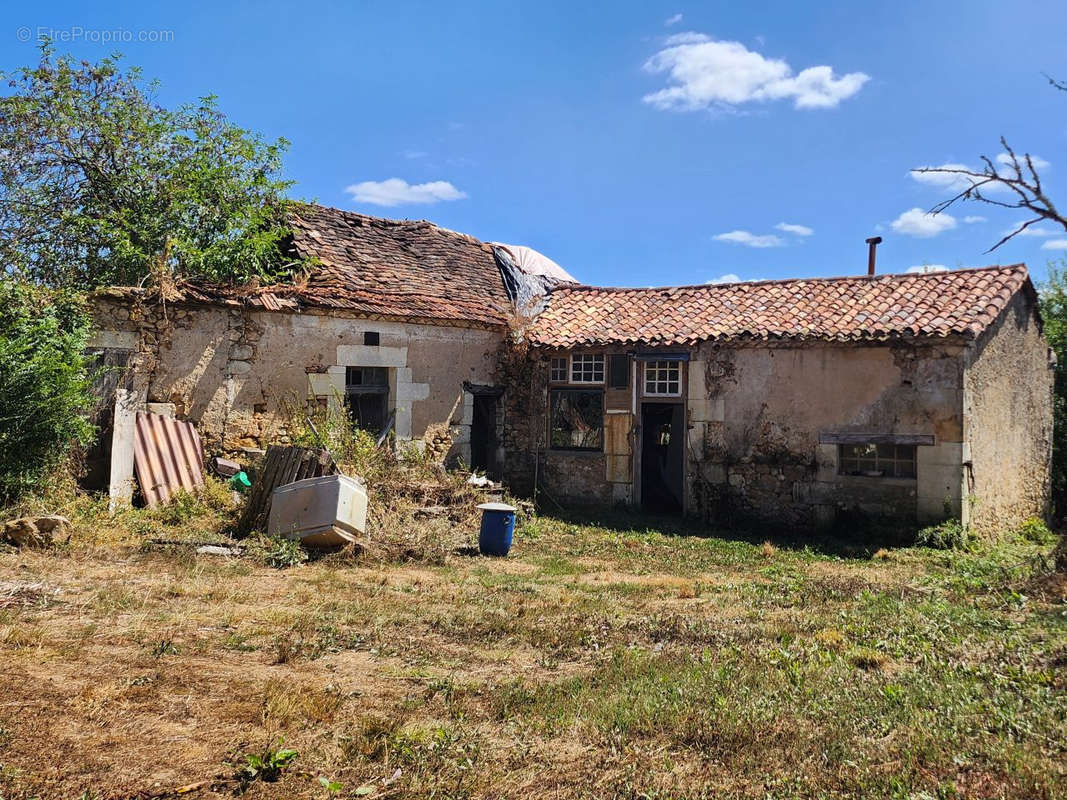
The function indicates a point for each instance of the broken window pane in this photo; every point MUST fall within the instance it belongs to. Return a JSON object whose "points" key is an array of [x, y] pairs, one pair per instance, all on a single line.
{"points": [[877, 460], [367, 397], [576, 419], [366, 376]]}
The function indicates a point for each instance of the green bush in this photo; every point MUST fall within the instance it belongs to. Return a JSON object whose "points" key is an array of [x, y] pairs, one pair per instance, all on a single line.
{"points": [[44, 383], [1035, 530], [278, 552], [948, 535]]}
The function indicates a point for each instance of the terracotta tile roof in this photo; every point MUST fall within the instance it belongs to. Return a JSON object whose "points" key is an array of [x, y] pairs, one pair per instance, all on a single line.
{"points": [[410, 270], [940, 304]]}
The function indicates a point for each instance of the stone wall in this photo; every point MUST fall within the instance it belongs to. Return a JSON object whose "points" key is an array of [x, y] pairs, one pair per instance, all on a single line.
{"points": [[237, 373], [758, 418], [763, 418], [1008, 419]]}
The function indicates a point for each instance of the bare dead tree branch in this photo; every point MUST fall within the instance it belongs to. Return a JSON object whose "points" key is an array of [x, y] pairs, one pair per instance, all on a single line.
{"points": [[1014, 175], [1061, 85]]}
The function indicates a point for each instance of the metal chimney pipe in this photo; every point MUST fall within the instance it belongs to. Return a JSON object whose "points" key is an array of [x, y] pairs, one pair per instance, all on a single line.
{"points": [[872, 243]]}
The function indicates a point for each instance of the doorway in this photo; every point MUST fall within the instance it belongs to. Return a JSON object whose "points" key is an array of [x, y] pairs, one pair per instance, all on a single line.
{"points": [[483, 435], [662, 456]]}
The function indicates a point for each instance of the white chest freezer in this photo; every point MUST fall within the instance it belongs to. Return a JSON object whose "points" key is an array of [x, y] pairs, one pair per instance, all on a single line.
{"points": [[319, 512]]}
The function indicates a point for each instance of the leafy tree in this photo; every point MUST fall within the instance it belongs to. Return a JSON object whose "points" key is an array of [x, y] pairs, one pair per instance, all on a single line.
{"points": [[44, 387], [1054, 311], [100, 184]]}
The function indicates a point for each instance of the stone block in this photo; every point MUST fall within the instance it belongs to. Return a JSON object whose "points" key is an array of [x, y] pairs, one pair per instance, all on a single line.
{"points": [[361, 355], [40, 531], [162, 409], [940, 481], [114, 340]]}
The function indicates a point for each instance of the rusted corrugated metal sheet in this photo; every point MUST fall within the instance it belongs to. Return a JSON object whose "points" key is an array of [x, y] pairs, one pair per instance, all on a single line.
{"points": [[168, 456]]}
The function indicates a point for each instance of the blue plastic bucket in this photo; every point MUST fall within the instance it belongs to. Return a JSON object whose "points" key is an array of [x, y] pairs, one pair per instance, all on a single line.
{"points": [[498, 528]]}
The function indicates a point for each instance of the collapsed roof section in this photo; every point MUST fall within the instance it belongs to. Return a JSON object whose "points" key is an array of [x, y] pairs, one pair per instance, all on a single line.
{"points": [[392, 269], [529, 275]]}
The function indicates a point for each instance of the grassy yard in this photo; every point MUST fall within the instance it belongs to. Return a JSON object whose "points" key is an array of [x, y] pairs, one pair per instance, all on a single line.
{"points": [[599, 660]]}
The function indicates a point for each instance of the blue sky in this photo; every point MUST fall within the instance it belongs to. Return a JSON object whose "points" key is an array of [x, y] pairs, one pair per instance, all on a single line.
{"points": [[625, 140]]}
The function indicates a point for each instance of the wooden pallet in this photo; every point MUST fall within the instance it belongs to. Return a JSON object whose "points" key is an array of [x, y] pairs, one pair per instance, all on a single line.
{"points": [[281, 466]]}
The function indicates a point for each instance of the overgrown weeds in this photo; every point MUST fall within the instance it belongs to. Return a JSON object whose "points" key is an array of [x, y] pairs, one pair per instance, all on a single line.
{"points": [[266, 765], [593, 662], [948, 535]]}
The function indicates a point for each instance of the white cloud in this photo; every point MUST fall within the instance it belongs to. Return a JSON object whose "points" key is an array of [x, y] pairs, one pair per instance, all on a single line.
{"points": [[397, 192], [952, 181], [916, 222], [1037, 161], [799, 230], [924, 269], [750, 239], [729, 277], [972, 220], [1055, 244], [709, 74], [673, 20], [413, 154]]}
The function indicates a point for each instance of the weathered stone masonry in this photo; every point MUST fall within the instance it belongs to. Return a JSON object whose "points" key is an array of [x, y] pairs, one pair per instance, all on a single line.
{"points": [[237, 373], [950, 370]]}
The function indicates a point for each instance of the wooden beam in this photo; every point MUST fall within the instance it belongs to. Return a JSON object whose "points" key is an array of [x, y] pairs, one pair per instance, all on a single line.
{"points": [[830, 437]]}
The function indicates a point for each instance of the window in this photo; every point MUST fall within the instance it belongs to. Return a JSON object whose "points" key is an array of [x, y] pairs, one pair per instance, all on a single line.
{"points": [[619, 372], [576, 419], [372, 338], [558, 370], [587, 368], [877, 460], [367, 394], [663, 378]]}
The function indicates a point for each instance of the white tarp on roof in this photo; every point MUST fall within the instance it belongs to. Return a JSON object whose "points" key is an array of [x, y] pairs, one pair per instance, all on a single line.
{"points": [[534, 263]]}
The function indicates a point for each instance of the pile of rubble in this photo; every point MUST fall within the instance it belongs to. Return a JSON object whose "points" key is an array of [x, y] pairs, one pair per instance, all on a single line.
{"points": [[43, 531], [438, 444]]}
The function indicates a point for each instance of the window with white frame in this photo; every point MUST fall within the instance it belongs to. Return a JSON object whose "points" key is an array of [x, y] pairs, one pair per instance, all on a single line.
{"points": [[587, 368], [558, 370], [663, 378]]}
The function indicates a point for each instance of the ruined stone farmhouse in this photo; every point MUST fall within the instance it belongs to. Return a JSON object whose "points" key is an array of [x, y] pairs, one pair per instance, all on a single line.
{"points": [[922, 396], [919, 396]]}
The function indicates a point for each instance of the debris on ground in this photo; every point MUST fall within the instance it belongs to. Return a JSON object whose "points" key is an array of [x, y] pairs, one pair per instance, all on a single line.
{"points": [[218, 550], [282, 466], [21, 593], [42, 531], [328, 511], [224, 467]]}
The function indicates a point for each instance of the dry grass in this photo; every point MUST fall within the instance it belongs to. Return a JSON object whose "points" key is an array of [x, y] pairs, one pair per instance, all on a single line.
{"points": [[593, 662]]}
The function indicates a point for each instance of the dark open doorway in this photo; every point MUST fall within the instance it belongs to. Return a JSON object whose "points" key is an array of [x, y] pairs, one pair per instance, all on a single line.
{"points": [[483, 434], [662, 456]]}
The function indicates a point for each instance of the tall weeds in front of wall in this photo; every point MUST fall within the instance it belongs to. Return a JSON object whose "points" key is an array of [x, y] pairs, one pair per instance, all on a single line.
{"points": [[416, 509], [204, 516]]}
